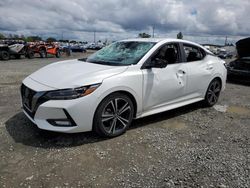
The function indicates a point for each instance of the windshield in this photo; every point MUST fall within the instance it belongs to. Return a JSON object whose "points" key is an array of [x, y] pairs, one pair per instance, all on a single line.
{"points": [[121, 53]]}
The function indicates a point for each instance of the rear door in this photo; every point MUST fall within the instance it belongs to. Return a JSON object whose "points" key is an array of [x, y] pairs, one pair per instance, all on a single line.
{"points": [[200, 70]]}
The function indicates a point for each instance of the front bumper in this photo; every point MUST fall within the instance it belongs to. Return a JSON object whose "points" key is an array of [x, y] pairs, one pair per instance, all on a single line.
{"points": [[44, 113]]}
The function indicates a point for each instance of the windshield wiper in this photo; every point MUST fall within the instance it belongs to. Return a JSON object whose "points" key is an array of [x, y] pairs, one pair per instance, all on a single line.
{"points": [[105, 63], [83, 59]]}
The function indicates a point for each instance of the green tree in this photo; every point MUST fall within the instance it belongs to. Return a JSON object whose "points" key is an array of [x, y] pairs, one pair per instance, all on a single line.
{"points": [[33, 39], [63, 40], [144, 35], [15, 36], [22, 37], [2, 36], [180, 35], [51, 39]]}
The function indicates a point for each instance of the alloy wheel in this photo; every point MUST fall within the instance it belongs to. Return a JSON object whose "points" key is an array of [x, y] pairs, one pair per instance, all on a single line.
{"points": [[116, 116], [213, 92]]}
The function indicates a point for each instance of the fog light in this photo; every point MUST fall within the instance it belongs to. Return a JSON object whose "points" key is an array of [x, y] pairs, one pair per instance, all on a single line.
{"points": [[63, 123], [60, 122]]}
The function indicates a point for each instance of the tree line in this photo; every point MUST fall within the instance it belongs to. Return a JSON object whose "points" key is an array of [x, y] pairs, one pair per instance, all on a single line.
{"points": [[33, 38]]}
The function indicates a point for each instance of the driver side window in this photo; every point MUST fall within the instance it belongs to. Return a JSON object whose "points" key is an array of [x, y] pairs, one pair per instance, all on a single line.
{"points": [[168, 54]]}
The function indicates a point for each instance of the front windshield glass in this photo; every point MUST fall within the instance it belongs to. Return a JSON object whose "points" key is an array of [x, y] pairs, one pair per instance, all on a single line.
{"points": [[121, 53]]}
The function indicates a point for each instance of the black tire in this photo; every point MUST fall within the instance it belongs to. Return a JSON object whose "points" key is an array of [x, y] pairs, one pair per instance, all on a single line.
{"points": [[30, 55], [17, 56], [43, 53], [213, 93], [68, 52], [113, 115], [58, 53], [4, 55]]}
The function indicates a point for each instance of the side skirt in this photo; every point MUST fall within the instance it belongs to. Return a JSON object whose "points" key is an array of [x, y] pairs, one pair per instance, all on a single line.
{"points": [[168, 107]]}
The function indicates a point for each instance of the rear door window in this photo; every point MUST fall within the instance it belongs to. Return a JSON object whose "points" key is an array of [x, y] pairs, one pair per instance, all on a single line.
{"points": [[193, 53]]}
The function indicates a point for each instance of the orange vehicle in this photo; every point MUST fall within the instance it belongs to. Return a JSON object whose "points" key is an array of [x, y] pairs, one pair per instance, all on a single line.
{"points": [[46, 48]]}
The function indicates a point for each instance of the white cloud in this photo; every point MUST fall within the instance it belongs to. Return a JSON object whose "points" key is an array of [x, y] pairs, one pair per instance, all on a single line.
{"points": [[125, 18]]}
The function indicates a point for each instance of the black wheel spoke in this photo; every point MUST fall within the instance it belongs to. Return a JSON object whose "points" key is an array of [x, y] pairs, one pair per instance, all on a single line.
{"points": [[113, 126], [217, 90], [116, 115], [122, 121], [107, 117], [113, 106], [116, 105], [124, 109], [213, 92]]}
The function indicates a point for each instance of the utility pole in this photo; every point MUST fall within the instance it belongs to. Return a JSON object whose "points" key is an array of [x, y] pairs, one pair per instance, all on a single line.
{"points": [[226, 41], [94, 36], [153, 35]]}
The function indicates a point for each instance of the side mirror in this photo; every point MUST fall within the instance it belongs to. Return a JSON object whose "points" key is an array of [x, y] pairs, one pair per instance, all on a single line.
{"points": [[159, 63], [156, 63]]}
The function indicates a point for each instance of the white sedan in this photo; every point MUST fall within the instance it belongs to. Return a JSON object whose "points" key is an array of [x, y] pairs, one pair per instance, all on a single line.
{"points": [[125, 80]]}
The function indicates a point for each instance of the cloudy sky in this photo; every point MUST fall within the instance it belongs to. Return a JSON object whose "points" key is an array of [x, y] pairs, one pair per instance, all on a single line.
{"points": [[199, 20]]}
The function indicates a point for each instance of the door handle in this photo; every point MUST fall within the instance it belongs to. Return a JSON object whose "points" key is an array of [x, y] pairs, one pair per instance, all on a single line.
{"points": [[210, 67], [181, 72]]}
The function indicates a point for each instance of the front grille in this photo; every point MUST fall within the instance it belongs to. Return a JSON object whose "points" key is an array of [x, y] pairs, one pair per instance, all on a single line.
{"points": [[27, 96], [31, 100]]}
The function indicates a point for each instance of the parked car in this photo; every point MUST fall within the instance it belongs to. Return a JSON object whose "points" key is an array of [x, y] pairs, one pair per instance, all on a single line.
{"points": [[65, 49], [95, 46], [15, 50], [239, 69], [43, 49], [225, 55], [126, 80], [77, 48]]}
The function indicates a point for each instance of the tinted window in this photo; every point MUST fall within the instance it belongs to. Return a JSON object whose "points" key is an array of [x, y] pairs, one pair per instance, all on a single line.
{"points": [[169, 53], [193, 53]]}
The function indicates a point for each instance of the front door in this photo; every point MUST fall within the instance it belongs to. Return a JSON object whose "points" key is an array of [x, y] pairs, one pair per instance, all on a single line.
{"points": [[164, 86]]}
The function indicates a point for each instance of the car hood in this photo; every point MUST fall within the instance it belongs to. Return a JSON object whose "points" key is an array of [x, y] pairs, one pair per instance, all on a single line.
{"points": [[242, 47], [74, 73]]}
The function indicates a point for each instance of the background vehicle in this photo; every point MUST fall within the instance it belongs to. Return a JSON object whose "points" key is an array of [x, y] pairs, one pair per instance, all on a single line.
{"points": [[225, 55], [125, 80], [43, 49], [77, 48], [15, 50], [239, 69]]}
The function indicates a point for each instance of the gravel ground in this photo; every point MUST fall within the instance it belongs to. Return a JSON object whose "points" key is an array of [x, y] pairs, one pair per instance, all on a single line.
{"points": [[188, 147]]}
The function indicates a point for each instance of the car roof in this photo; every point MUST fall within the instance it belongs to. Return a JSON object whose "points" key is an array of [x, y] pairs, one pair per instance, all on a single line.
{"points": [[165, 40]]}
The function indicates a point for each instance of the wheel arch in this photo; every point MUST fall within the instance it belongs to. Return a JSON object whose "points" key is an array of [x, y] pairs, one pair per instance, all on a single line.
{"points": [[43, 48], [125, 92], [131, 96], [217, 78]]}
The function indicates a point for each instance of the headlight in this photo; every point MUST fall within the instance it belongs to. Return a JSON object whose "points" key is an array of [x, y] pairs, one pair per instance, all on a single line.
{"points": [[66, 94]]}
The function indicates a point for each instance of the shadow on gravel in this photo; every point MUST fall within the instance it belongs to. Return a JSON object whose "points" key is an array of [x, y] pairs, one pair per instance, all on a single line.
{"points": [[166, 115], [22, 130], [238, 82]]}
